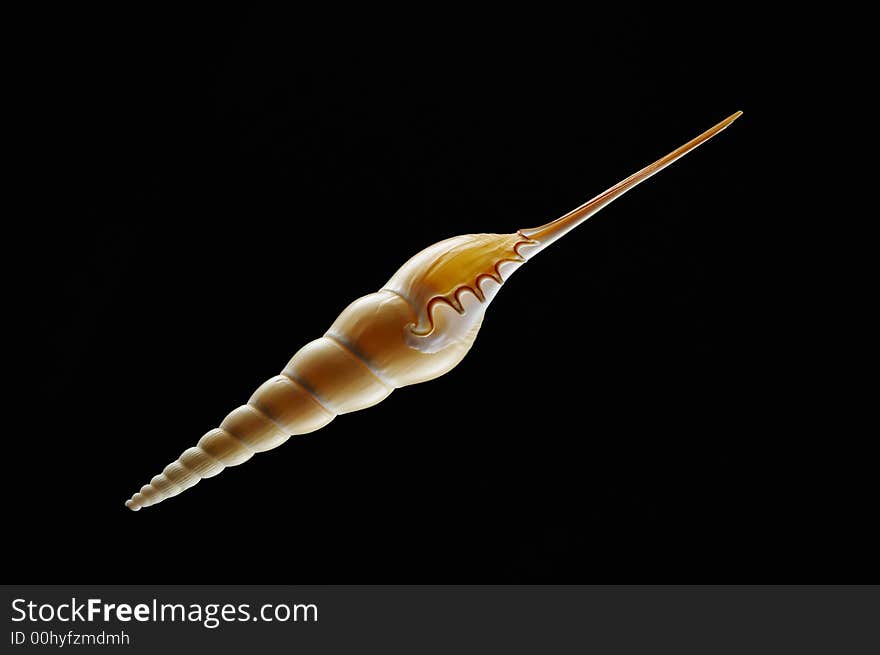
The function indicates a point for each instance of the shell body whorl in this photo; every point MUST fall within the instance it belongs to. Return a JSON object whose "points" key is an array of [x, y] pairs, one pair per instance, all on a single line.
{"points": [[461, 274]]}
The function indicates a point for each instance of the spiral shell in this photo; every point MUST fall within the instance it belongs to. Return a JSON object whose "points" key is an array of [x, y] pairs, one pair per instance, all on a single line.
{"points": [[417, 327]]}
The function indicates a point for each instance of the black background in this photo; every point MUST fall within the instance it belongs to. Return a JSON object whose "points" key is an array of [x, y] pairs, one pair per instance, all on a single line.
{"points": [[219, 186]]}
